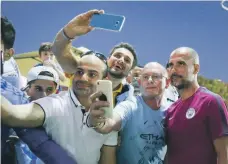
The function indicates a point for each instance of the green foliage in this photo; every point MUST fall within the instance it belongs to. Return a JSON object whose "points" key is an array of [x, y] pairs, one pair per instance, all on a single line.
{"points": [[215, 86]]}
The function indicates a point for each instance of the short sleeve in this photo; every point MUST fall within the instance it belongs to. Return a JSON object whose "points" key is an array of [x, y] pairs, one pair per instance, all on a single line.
{"points": [[52, 106], [124, 110], [112, 139], [217, 116]]}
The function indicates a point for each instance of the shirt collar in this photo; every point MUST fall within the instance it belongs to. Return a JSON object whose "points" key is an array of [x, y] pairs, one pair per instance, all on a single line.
{"points": [[119, 89], [74, 99]]}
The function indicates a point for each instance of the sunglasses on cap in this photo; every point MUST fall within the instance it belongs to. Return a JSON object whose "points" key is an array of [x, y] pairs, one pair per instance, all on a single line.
{"points": [[97, 54]]}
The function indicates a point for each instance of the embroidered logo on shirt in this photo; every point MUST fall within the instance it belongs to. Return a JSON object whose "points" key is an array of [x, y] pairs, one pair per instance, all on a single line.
{"points": [[190, 113]]}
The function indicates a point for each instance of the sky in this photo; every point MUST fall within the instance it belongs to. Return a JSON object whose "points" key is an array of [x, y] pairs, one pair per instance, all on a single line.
{"points": [[154, 29]]}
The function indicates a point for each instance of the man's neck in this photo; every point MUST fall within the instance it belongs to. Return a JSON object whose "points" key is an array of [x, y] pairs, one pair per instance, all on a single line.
{"points": [[154, 103], [84, 101], [188, 92], [115, 82]]}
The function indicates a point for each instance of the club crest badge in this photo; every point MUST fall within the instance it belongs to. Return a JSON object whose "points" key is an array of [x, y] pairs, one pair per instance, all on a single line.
{"points": [[190, 113]]}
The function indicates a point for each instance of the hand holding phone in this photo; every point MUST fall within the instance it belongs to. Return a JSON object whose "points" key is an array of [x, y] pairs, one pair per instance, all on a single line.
{"points": [[107, 22], [105, 86]]}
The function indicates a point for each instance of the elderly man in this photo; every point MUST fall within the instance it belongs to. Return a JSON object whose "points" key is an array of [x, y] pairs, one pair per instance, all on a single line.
{"points": [[139, 120]]}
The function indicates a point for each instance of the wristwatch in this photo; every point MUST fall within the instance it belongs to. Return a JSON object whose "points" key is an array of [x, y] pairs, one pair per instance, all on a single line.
{"points": [[99, 125]]}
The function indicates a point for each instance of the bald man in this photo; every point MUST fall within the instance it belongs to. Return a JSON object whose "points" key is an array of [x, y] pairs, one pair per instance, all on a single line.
{"points": [[140, 121], [64, 115], [197, 124]]}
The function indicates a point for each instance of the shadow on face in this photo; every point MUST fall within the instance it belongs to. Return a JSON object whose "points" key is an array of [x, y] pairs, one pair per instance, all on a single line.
{"points": [[89, 70], [183, 67], [120, 63], [41, 88]]}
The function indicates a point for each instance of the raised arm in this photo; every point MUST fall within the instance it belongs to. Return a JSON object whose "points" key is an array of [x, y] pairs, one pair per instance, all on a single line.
{"points": [[61, 48], [26, 115]]}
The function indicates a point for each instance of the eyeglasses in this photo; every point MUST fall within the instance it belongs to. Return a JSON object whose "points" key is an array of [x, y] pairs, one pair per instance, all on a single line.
{"points": [[154, 78], [97, 54]]}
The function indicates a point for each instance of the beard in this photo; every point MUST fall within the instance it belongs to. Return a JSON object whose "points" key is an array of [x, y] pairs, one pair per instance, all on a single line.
{"points": [[83, 91], [116, 75], [181, 84]]}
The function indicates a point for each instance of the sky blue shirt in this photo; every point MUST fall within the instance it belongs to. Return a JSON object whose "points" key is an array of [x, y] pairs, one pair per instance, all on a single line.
{"points": [[142, 135]]}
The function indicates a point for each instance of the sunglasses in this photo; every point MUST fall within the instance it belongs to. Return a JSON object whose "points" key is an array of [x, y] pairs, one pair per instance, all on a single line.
{"points": [[100, 56], [97, 54]]}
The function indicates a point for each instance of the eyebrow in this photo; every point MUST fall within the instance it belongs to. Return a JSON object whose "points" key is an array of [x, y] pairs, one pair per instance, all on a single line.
{"points": [[88, 70], [93, 71]]}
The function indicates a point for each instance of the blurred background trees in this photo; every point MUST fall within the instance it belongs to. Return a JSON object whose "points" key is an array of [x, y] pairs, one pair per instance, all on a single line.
{"points": [[216, 86]]}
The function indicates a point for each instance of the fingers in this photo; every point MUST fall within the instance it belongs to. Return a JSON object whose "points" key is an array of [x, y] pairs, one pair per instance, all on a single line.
{"points": [[99, 104], [94, 96], [90, 13], [101, 12], [97, 113]]}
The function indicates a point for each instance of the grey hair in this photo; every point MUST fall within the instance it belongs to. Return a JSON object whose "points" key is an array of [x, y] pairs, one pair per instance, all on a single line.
{"points": [[156, 64], [190, 51]]}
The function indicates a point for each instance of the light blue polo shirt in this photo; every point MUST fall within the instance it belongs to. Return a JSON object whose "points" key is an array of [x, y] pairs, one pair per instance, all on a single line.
{"points": [[142, 133]]}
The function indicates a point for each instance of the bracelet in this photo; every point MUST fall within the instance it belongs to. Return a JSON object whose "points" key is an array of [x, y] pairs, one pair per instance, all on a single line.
{"points": [[98, 125], [94, 127], [65, 35]]}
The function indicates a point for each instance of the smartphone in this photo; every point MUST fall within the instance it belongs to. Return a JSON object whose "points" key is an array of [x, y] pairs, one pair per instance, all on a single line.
{"points": [[108, 22], [105, 86]]}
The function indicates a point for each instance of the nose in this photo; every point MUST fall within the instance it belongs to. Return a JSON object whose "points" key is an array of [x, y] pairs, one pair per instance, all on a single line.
{"points": [[150, 79], [172, 70], [44, 94], [85, 77], [121, 60], [41, 95]]}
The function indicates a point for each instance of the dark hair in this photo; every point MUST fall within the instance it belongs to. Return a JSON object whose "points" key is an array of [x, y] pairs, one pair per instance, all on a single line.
{"points": [[129, 48], [45, 47], [7, 33], [99, 55]]}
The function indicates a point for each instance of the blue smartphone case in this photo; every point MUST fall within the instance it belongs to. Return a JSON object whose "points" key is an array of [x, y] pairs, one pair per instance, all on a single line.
{"points": [[108, 22]]}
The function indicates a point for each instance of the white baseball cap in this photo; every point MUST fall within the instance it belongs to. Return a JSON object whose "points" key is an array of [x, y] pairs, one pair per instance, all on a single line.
{"points": [[36, 74]]}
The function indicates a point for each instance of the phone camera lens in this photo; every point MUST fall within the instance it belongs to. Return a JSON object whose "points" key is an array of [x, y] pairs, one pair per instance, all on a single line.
{"points": [[117, 22]]}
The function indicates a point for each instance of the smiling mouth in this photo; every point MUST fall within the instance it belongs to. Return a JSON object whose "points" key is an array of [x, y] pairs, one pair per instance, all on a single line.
{"points": [[82, 85], [119, 67], [150, 87]]}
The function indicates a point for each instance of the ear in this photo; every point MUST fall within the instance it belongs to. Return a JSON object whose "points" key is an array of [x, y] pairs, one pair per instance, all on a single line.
{"points": [[8, 53], [196, 68], [108, 61], [11, 52]]}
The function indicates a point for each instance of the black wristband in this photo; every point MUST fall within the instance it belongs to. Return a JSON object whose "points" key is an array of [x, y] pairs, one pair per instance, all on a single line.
{"points": [[65, 35]]}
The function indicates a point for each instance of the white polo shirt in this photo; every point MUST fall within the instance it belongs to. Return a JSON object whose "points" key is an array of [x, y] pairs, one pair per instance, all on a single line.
{"points": [[65, 123]]}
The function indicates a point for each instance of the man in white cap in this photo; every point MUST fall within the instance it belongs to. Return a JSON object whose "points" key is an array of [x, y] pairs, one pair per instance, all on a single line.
{"points": [[41, 81]]}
